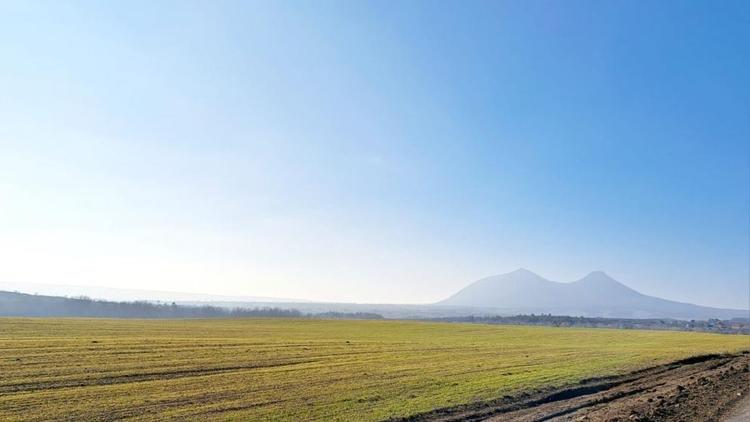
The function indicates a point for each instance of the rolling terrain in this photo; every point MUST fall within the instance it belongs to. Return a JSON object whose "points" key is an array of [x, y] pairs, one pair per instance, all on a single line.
{"points": [[596, 295], [285, 369]]}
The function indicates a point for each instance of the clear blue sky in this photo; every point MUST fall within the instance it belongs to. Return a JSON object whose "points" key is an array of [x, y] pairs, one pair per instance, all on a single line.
{"points": [[376, 151]]}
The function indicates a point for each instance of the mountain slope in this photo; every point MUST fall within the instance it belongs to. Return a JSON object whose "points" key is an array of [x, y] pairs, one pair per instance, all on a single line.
{"points": [[596, 295]]}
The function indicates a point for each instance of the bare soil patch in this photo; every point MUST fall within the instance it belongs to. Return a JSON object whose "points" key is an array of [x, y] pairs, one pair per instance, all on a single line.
{"points": [[701, 388]]}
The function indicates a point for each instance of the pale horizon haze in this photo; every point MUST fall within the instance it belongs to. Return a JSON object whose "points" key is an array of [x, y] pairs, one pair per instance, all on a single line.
{"points": [[375, 152]]}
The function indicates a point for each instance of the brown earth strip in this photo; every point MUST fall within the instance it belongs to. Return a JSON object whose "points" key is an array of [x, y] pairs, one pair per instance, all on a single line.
{"points": [[695, 389], [740, 412]]}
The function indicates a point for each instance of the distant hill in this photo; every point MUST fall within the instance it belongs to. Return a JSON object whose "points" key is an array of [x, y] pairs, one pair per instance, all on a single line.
{"points": [[596, 295], [26, 305], [129, 295]]}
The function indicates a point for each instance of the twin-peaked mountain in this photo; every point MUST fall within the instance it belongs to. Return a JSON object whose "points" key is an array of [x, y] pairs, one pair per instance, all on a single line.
{"points": [[597, 294]]}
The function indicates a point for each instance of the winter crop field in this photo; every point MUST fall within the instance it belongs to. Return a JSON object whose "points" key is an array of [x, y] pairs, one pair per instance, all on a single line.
{"points": [[255, 369]]}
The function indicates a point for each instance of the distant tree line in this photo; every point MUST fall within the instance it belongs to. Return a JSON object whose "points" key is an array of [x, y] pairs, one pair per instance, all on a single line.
{"points": [[21, 304], [733, 326], [346, 315]]}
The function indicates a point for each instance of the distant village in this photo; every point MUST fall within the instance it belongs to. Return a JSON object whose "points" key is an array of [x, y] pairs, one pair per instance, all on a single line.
{"points": [[732, 326]]}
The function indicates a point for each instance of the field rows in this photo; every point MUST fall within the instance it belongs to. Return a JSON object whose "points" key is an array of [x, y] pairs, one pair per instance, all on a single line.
{"points": [[100, 369]]}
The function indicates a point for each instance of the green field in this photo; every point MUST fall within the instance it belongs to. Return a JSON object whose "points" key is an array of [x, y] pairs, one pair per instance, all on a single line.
{"points": [[255, 369]]}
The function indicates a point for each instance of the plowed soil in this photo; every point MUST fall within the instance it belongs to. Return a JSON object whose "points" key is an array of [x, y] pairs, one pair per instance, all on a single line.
{"points": [[703, 388]]}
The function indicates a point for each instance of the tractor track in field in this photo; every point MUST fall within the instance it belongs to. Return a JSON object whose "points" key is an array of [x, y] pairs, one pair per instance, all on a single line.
{"points": [[140, 377], [700, 388]]}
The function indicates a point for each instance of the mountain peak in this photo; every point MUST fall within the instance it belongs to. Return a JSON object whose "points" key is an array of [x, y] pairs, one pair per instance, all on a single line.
{"points": [[523, 271], [600, 280], [598, 275], [521, 274]]}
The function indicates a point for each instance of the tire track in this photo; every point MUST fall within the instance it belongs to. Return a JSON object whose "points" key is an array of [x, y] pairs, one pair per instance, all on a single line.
{"points": [[694, 389]]}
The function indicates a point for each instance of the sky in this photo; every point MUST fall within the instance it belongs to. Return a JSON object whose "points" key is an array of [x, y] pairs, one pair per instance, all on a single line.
{"points": [[388, 152]]}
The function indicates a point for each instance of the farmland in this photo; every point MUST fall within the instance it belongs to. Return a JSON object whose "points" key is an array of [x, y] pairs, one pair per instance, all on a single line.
{"points": [[94, 369]]}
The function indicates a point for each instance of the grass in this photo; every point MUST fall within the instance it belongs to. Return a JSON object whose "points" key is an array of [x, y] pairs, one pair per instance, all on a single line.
{"points": [[279, 369]]}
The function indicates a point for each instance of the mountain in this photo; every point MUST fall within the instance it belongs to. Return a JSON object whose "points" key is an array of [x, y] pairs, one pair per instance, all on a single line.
{"points": [[596, 295]]}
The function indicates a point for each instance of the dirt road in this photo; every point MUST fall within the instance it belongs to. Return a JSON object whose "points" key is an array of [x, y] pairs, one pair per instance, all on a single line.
{"points": [[705, 388], [741, 412]]}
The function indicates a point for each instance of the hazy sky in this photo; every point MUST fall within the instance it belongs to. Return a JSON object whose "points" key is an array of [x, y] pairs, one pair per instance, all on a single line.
{"points": [[375, 152]]}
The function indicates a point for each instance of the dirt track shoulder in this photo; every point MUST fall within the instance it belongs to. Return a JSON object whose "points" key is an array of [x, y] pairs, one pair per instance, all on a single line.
{"points": [[695, 389], [740, 412]]}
